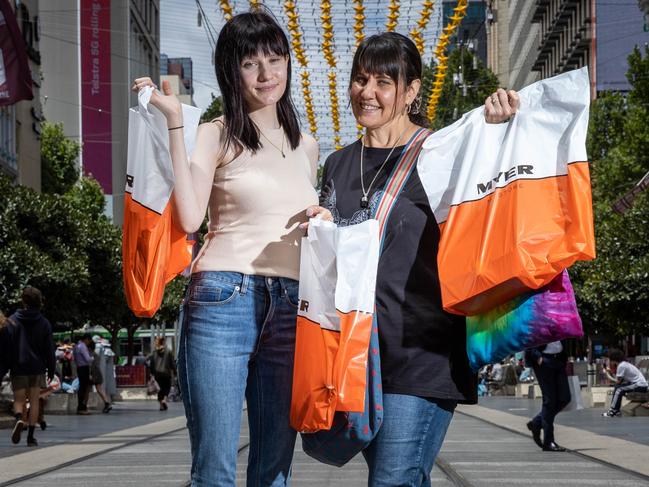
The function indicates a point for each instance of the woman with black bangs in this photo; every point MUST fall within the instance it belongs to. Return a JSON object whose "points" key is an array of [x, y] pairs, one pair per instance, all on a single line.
{"points": [[424, 367], [254, 172]]}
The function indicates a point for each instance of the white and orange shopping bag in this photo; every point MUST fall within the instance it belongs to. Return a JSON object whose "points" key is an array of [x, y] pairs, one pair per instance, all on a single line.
{"points": [[513, 200], [338, 268], [154, 250]]}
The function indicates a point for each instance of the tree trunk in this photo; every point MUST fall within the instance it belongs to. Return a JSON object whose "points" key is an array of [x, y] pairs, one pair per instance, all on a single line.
{"points": [[131, 329]]}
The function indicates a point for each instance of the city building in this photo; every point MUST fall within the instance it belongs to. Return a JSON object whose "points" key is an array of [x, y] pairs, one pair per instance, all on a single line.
{"points": [[178, 72], [472, 30], [20, 123], [529, 40], [94, 51]]}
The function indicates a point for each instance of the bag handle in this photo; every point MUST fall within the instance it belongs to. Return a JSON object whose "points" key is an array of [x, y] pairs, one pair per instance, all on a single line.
{"points": [[398, 178]]}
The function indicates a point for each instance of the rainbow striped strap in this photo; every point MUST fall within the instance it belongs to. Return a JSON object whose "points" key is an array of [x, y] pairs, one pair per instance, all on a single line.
{"points": [[398, 178]]}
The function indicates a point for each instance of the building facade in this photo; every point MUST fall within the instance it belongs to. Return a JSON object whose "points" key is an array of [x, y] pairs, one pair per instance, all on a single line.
{"points": [[473, 27], [531, 40], [20, 123], [93, 54], [178, 72]]}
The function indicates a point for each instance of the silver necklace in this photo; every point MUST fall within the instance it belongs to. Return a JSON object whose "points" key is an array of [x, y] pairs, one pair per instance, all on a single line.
{"points": [[364, 199], [271, 143]]}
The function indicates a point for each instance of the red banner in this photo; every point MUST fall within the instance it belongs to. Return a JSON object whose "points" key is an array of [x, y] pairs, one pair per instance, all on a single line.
{"points": [[96, 91], [15, 78], [130, 375]]}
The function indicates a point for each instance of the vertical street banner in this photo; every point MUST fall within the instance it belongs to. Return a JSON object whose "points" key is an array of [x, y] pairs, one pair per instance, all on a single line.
{"points": [[96, 91], [15, 78]]}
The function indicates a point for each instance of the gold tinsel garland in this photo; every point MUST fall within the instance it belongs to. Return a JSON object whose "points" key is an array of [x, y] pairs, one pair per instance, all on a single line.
{"points": [[393, 16], [296, 43], [359, 21], [226, 8], [424, 17], [442, 60], [328, 51]]}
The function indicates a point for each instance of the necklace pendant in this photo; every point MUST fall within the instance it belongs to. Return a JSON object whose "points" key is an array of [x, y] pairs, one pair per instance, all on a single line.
{"points": [[364, 202]]}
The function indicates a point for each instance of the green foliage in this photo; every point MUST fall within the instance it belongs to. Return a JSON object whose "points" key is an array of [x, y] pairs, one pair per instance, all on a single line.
{"points": [[481, 82], [59, 156], [613, 290], [214, 110]]}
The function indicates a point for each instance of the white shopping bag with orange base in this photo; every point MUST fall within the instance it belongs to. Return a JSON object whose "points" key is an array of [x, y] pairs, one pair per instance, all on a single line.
{"points": [[154, 250], [512, 200], [338, 268]]}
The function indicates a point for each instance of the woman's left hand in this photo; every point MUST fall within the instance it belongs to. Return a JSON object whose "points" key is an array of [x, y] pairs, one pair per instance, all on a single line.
{"points": [[501, 106], [317, 212]]}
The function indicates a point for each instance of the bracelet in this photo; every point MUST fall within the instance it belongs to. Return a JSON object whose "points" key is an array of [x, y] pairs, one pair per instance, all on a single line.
{"points": [[175, 128]]}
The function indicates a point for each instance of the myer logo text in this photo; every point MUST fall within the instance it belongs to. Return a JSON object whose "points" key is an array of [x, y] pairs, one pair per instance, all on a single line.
{"points": [[304, 306], [505, 176]]}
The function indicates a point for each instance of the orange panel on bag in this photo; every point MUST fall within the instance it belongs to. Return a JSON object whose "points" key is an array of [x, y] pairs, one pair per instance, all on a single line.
{"points": [[521, 236], [154, 251]]}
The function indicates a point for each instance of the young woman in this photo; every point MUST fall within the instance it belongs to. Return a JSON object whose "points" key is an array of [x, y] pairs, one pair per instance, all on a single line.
{"points": [[254, 172], [424, 367]]}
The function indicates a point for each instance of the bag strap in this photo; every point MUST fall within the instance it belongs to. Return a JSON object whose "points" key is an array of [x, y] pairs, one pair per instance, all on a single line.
{"points": [[398, 178]]}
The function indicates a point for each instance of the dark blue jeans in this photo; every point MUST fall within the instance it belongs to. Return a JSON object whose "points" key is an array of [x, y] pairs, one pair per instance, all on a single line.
{"points": [[404, 450], [238, 340]]}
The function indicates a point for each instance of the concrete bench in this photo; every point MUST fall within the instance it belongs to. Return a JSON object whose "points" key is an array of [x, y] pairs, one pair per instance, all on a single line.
{"points": [[634, 405]]}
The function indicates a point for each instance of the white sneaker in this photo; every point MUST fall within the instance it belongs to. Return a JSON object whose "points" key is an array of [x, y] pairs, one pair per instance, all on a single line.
{"points": [[610, 413]]}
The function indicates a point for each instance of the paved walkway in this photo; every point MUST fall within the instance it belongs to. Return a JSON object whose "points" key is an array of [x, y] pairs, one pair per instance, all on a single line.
{"points": [[485, 446]]}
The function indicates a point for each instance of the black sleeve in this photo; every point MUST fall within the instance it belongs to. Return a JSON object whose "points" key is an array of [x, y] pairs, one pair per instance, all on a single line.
{"points": [[4, 353]]}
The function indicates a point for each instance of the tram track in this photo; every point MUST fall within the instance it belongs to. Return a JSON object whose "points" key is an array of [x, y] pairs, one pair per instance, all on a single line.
{"points": [[45, 471], [443, 463]]}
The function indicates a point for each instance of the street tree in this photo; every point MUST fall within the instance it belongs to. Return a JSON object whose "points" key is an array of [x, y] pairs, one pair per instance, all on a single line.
{"points": [[613, 290]]}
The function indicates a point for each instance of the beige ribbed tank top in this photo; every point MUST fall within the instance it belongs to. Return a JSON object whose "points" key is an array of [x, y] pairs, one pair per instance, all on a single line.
{"points": [[255, 208]]}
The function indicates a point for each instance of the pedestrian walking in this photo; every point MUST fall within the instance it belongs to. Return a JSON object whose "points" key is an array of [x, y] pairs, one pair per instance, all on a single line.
{"points": [[30, 359], [83, 360], [162, 367], [96, 378], [424, 366], [254, 172], [628, 378], [549, 365]]}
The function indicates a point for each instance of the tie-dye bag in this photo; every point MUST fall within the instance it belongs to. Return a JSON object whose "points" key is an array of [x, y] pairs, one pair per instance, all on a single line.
{"points": [[530, 320]]}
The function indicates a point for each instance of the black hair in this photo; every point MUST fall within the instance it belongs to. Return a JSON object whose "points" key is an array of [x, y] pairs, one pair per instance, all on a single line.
{"points": [[394, 55], [615, 355], [86, 336], [246, 35], [32, 298]]}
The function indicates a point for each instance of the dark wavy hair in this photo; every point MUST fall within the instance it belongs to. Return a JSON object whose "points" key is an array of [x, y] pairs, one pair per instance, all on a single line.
{"points": [[245, 35], [394, 55]]}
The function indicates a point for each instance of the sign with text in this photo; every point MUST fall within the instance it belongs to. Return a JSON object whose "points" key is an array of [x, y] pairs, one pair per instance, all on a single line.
{"points": [[15, 79], [96, 91]]}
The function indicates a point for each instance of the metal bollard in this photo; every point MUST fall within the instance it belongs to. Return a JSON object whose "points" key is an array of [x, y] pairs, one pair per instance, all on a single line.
{"points": [[531, 392]]}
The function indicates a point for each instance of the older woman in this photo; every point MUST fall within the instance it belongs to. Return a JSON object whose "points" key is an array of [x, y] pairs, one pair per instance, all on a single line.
{"points": [[424, 367]]}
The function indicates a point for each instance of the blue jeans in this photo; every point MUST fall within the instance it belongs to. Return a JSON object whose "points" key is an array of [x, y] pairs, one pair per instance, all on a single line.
{"points": [[238, 340], [404, 450]]}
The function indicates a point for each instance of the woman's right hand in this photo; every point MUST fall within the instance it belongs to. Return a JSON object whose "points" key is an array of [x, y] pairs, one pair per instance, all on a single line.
{"points": [[164, 101]]}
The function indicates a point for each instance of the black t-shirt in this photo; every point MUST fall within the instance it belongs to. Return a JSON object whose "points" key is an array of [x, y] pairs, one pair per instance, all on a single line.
{"points": [[422, 347]]}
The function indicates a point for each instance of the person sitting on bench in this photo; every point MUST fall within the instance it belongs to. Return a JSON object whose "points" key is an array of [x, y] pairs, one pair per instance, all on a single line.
{"points": [[627, 379]]}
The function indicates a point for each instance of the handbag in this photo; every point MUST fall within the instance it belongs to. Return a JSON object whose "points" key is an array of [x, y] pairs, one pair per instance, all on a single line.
{"points": [[530, 320], [351, 432], [152, 386]]}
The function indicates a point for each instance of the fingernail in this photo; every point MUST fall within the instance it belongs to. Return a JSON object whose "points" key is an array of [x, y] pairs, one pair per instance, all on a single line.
{"points": [[309, 212]]}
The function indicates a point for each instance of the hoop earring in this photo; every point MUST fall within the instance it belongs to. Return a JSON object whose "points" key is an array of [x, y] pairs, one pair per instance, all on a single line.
{"points": [[413, 109]]}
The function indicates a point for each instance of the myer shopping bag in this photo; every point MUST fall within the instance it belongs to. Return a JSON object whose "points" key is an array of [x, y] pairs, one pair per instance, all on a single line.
{"points": [[337, 290], [154, 250], [512, 200]]}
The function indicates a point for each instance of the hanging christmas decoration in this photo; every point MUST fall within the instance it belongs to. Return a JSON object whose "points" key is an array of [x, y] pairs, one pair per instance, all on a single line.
{"points": [[442, 60], [296, 43], [359, 21], [393, 16], [226, 8], [424, 16]]}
